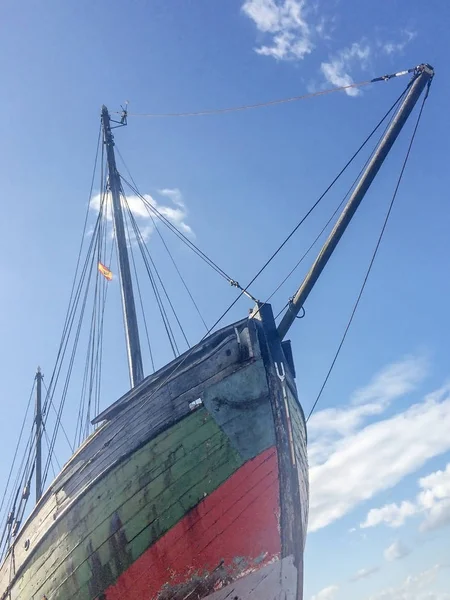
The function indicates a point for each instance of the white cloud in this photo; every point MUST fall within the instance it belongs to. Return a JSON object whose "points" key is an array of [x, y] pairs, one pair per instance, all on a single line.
{"points": [[433, 503], [415, 587], [337, 70], [435, 499], [377, 457], [396, 551], [283, 21], [364, 573], [398, 47], [175, 214], [327, 593], [390, 383], [174, 194], [391, 514], [327, 426]]}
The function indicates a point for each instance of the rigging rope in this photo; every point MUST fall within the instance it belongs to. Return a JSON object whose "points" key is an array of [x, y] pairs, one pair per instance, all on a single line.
{"points": [[89, 262], [144, 248], [164, 244], [218, 111], [227, 310], [186, 240], [54, 410], [138, 286], [321, 197], [17, 445], [375, 252], [316, 239], [150, 267]]}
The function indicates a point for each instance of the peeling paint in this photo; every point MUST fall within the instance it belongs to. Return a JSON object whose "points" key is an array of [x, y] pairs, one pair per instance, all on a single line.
{"points": [[198, 586]]}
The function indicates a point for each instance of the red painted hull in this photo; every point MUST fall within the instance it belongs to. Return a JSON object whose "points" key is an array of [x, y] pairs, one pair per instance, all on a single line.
{"points": [[232, 532]]}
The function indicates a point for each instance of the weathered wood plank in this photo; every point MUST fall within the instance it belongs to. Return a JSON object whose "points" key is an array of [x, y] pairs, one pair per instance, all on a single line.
{"points": [[137, 421], [130, 478], [235, 527], [149, 492]]}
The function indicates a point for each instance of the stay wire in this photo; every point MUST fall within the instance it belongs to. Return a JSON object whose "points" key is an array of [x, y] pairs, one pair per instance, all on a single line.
{"points": [[69, 322], [47, 439], [161, 237], [84, 401], [164, 316], [144, 248], [97, 324], [91, 364], [218, 111], [316, 239], [141, 303], [16, 500], [71, 297], [101, 318], [180, 234], [375, 252], [105, 294], [62, 426], [15, 490], [89, 260], [314, 206], [76, 289], [17, 445]]}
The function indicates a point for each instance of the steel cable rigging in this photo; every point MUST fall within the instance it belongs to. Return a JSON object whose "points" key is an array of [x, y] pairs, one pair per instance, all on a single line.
{"points": [[373, 257], [163, 241], [340, 205], [217, 111]]}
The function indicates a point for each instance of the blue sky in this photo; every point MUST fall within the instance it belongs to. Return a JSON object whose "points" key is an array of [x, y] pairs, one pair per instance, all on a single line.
{"points": [[380, 492]]}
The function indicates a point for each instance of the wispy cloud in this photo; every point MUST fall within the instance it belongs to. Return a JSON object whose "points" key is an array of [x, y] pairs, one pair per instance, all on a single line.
{"points": [[327, 426], [327, 593], [283, 22], [415, 587], [174, 194], [364, 573], [432, 503], [176, 214], [339, 67], [396, 551], [392, 47]]}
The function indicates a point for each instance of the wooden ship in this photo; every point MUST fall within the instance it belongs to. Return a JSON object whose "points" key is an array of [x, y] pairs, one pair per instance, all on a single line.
{"points": [[195, 483]]}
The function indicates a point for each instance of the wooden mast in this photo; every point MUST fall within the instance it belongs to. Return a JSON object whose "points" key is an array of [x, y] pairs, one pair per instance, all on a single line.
{"points": [[128, 304], [423, 75], [38, 434]]}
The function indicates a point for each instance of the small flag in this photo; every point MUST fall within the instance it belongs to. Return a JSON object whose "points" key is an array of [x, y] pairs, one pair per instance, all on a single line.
{"points": [[107, 274]]}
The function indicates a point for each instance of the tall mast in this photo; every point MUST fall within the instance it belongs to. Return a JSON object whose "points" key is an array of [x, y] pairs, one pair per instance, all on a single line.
{"points": [[424, 74], [38, 434], [128, 305]]}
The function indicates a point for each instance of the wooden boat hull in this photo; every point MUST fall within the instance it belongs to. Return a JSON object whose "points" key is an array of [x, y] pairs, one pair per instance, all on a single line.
{"points": [[195, 486]]}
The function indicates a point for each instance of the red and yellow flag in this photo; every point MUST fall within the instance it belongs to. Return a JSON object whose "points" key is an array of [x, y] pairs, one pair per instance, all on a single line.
{"points": [[107, 274]]}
